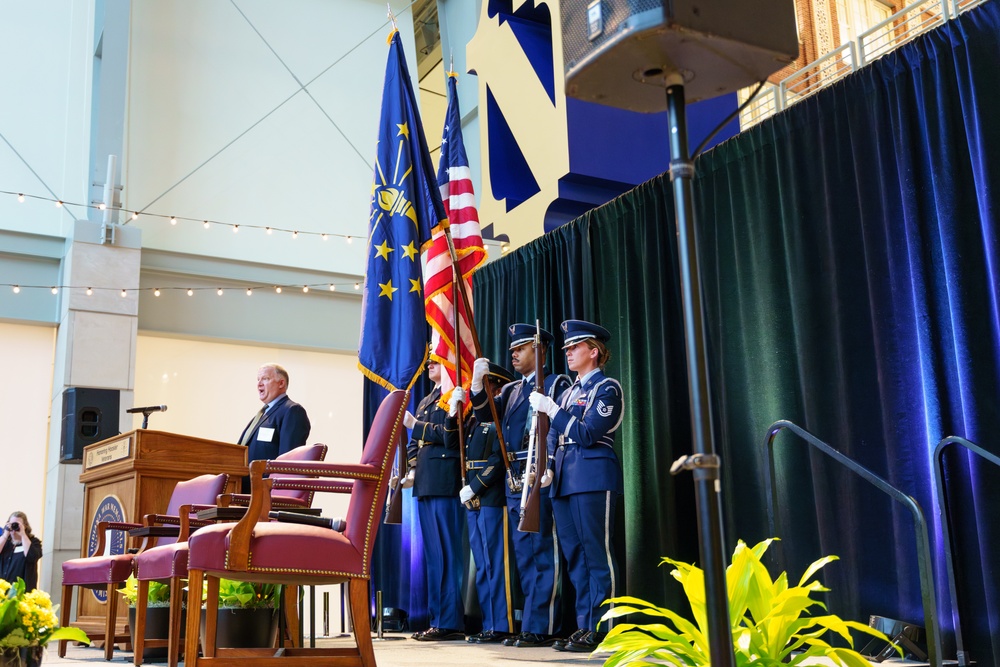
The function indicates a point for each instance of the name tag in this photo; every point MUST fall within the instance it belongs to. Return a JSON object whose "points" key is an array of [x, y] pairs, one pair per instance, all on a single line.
{"points": [[265, 434]]}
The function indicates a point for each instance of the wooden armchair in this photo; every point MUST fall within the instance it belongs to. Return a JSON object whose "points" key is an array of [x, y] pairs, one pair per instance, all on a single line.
{"points": [[109, 572], [293, 554]]}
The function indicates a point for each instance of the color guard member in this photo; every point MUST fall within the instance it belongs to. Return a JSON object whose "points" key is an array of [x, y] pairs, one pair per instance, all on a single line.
{"points": [[537, 554], [586, 478]]}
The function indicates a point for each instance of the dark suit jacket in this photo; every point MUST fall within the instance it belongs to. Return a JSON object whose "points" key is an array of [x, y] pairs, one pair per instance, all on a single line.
{"points": [[14, 565], [290, 426]]}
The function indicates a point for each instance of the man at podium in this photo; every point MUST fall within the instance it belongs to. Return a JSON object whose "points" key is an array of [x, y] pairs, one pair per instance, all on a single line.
{"points": [[280, 426]]}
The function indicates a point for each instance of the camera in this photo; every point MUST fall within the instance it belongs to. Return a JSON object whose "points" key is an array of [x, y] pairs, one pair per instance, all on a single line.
{"points": [[13, 525]]}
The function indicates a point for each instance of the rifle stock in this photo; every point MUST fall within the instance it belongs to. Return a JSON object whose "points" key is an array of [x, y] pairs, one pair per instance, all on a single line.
{"points": [[530, 518], [394, 510]]}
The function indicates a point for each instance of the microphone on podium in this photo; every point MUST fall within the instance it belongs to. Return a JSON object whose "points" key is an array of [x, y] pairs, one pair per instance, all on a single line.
{"points": [[151, 409], [146, 411]]}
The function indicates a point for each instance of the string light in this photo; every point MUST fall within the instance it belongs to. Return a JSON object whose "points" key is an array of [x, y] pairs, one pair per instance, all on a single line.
{"points": [[90, 291], [17, 289], [333, 288], [55, 290], [249, 291], [124, 294], [305, 288], [277, 289], [173, 219], [156, 292], [190, 292], [219, 291], [357, 285]]}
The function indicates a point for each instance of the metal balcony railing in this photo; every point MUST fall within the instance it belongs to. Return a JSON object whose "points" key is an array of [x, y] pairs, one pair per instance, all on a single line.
{"points": [[885, 36]]}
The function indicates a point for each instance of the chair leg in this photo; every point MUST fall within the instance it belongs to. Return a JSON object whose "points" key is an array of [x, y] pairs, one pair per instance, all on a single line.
{"points": [[292, 620], [358, 593], [67, 602], [195, 578], [111, 621], [211, 615], [139, 631], [174, 634]]}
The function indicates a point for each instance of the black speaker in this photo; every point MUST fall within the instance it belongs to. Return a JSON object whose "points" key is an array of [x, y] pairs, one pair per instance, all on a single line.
{"points": [[618, 52], [89, 416]]}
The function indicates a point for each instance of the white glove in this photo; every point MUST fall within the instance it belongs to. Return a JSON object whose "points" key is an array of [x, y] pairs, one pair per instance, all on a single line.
{"points": [[409, 420], [409, 479], [457, 396], [542, 403], [480, 368], [394, 482], [466, 494], [546, 478]]}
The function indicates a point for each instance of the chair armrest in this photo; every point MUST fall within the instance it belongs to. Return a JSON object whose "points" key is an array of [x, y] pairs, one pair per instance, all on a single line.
{"points": [[304, 484], [323, 469], [104, 526]]}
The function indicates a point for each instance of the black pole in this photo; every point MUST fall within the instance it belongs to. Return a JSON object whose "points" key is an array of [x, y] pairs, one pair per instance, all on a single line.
{"points": [[706, 466]]}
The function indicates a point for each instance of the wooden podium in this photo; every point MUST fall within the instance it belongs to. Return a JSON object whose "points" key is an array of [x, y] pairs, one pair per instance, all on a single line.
{"points": [[131, 475]]}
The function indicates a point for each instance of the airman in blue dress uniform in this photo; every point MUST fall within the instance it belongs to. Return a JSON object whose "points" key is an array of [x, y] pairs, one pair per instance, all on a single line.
{"points": [[489, 525], [537, 554], [586, 478], [436, 479]]}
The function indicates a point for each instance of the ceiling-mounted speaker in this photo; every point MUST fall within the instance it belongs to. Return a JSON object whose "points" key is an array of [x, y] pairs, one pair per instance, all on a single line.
{"points": [[620, 52]]}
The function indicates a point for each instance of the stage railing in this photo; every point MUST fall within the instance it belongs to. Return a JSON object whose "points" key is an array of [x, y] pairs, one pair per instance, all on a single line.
{"points": [[963, 658], [931, 626]]}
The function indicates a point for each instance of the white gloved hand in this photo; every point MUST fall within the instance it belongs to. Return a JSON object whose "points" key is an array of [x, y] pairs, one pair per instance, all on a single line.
{"points": [[394, 482], [480, 368], [542, 403], [546, 478], [409, 479], [466, 494], [409, 420], [457, 396]]}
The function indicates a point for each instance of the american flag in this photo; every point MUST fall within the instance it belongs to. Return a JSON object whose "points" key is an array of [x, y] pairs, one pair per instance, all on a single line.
{"points": [[454, 179]]}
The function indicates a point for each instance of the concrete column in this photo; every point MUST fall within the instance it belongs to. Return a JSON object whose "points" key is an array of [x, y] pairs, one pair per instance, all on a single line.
{"points": [[95, 347]]}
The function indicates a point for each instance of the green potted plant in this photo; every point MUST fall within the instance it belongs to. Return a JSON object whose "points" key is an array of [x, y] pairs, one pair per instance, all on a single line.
{"points": [[157, 614], [247, 615], [28, 622], [771, 622]]}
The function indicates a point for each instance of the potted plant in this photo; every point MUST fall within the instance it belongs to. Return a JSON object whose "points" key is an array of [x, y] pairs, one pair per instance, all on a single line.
{"points": [[157, 614], [247, 615], [28, 622], [771, 623]]}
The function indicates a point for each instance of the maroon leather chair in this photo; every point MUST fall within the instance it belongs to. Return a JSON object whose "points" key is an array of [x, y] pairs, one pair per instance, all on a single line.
{"points": [[169, 563], [299, 555], [110, 572]]}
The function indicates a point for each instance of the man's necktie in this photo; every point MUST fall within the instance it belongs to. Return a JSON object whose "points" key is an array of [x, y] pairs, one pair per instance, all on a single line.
{"points": [[253, 426]]}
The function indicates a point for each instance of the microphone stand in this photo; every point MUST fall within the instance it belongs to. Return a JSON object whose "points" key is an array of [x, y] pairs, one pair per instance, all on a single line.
{"points": [[145, 418], [705, 462]]}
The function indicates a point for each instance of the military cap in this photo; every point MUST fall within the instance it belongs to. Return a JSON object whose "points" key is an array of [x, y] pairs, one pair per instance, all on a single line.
{"points": [[575, 331], [525, 333], [500, 373]]}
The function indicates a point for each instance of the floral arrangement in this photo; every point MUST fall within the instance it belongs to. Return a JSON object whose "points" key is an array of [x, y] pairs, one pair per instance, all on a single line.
{"points": [[28, 619]]}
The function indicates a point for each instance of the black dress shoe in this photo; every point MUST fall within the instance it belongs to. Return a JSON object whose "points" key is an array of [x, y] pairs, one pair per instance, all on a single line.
{"points": [[488, 637], [560, 645], [440, 635], [416, 635], [533, 640], [585, 643]]}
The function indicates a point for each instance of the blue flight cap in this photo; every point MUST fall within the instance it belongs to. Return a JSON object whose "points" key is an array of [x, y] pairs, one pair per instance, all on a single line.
{"points": [[500, 373], [525, 333], [575, 331]]}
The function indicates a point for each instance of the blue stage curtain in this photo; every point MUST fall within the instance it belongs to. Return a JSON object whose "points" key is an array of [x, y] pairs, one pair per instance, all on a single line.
{"points": [[848, 248]]}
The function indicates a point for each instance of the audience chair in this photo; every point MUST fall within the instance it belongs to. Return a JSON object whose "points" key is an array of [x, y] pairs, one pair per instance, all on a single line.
{"points": [[169, 563], [109, 572], [294, 554]]}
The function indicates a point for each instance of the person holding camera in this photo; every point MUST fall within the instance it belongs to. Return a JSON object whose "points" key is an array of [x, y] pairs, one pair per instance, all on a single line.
{"points": [[20, 551]]}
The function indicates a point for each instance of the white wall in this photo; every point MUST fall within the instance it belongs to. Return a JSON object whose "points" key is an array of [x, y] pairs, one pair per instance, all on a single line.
{"points": [[25, 392]]}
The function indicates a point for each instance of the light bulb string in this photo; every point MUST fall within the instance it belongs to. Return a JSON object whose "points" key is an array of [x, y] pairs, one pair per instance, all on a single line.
{"points": [[177, 218], [89, 289]]}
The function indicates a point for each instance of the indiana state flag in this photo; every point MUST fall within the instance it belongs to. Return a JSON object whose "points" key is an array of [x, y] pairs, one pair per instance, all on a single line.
{"points": [[406, 210]]}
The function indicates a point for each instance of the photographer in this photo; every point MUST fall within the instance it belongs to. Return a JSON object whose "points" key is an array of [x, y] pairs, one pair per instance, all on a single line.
{"points": [[19, 551]]}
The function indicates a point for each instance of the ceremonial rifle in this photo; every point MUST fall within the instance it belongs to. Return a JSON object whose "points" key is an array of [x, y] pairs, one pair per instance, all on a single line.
{"points": [[394, 510], [540, 432]]}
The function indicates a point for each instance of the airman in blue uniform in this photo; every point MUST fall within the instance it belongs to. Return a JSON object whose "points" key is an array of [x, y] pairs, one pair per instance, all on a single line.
{"points": [[489, 526], [537, 554], [586, 477], [436, 479]]}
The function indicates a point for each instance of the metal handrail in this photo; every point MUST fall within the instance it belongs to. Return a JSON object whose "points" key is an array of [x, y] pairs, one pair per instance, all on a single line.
{"points": [[922, 25], [927, 596], [963, 657], [817, 68]]}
